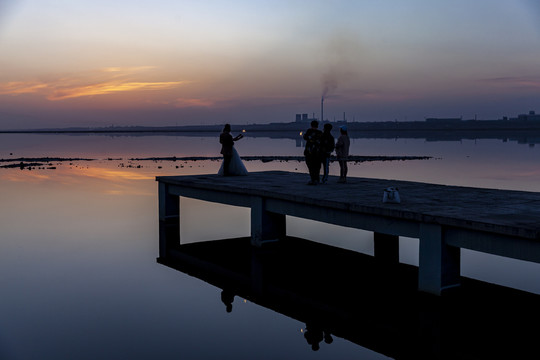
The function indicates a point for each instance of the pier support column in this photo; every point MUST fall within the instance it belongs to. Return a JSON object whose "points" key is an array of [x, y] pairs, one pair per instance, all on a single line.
{"points": [[265, 226], [169, 219], [439, 264], [386, 248]]}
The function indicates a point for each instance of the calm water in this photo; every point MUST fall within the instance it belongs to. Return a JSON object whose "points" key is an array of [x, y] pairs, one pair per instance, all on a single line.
{"points": [[79, 243]]}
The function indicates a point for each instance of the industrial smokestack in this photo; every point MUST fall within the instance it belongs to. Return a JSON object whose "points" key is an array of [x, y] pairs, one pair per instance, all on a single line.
{"points": [[322, 108]]}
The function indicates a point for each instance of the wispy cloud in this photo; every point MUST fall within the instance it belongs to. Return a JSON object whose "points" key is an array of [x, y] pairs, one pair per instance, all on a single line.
{"points": [[182, 103], [21, 87], [127, 69], [62, 93], [105, 81], [515, 81]]}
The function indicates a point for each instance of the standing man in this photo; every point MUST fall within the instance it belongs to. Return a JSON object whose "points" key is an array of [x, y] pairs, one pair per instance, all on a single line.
{"points": [[227, 142], [312, 152], [342, 153], [327, 147]]}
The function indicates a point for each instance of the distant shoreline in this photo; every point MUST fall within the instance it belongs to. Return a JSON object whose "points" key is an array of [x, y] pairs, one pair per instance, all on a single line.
{"points": [[520, 132], [446, 125]]}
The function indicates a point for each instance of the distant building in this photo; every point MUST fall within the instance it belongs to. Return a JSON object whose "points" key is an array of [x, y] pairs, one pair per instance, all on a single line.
{"points": [[443, 120], [304, 118], [531, 116]]}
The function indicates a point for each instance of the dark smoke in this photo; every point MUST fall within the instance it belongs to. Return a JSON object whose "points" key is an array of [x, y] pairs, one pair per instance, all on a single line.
{"points": [[330, 83], [342, 54]]}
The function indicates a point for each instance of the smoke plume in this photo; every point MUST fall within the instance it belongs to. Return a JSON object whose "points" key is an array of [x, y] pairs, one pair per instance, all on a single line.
{"points": [[341, 57]]}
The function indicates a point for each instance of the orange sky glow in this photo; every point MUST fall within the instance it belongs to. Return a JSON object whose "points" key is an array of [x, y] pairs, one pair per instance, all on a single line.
{"points": [[183, 62]]}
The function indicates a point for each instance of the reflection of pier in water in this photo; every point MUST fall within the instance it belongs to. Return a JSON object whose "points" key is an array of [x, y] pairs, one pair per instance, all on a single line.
{"points": [[341, 293], [445, 219]]}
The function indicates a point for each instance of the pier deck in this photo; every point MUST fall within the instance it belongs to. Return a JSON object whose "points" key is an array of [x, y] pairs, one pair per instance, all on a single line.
{"points": [[443, 218]]}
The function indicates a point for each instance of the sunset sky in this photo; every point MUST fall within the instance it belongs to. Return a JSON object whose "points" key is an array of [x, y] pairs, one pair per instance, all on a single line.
{"points": [[163, 62]]}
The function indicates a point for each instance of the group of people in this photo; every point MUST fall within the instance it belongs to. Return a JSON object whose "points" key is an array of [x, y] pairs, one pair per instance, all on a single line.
{"points": [[319, 148]]}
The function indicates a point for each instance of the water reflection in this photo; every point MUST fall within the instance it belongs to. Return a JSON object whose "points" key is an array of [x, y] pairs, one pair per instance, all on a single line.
{"points": [[529, 136], [341, 293], [77, 263]]}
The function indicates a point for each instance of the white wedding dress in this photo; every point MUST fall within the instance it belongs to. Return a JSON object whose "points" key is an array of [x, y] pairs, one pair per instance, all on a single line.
{"points": [[236, 167]]}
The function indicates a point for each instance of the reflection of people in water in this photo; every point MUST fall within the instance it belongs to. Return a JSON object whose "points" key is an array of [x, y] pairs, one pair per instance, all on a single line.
{"points": [[313, 336], [227, 297], [328, 337]]}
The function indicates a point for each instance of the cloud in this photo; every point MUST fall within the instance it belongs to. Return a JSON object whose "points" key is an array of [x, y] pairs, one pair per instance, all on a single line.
{"points": [[103, 82], [62, 93], [127, 70], [515, 81], [21, 87], [184, 103]]}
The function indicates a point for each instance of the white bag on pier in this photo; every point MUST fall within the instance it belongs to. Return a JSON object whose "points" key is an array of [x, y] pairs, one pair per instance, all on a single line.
{"points": [[391, 195]]}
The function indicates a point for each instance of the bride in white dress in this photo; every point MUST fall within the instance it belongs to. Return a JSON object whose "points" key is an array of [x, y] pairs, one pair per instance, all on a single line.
{"points": [[236, 167]]}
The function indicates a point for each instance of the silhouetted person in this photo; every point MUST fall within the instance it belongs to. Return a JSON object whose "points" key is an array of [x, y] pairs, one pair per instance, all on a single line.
{"points": [[327, 146], [342, 153], [227, 142], [227, 298], [312, 152]]}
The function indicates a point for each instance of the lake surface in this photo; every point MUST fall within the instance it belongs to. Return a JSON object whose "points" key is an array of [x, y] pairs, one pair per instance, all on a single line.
{"points": [[79, 241]]}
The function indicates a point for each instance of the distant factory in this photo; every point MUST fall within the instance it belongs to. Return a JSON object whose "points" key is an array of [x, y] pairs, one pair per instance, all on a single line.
{"points": [[304, 118], [443, 120], [527, 119], [531, 116]]}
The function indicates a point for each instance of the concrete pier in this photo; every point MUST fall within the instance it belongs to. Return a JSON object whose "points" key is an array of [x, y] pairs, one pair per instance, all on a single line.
{"points": [[443, 218]]}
